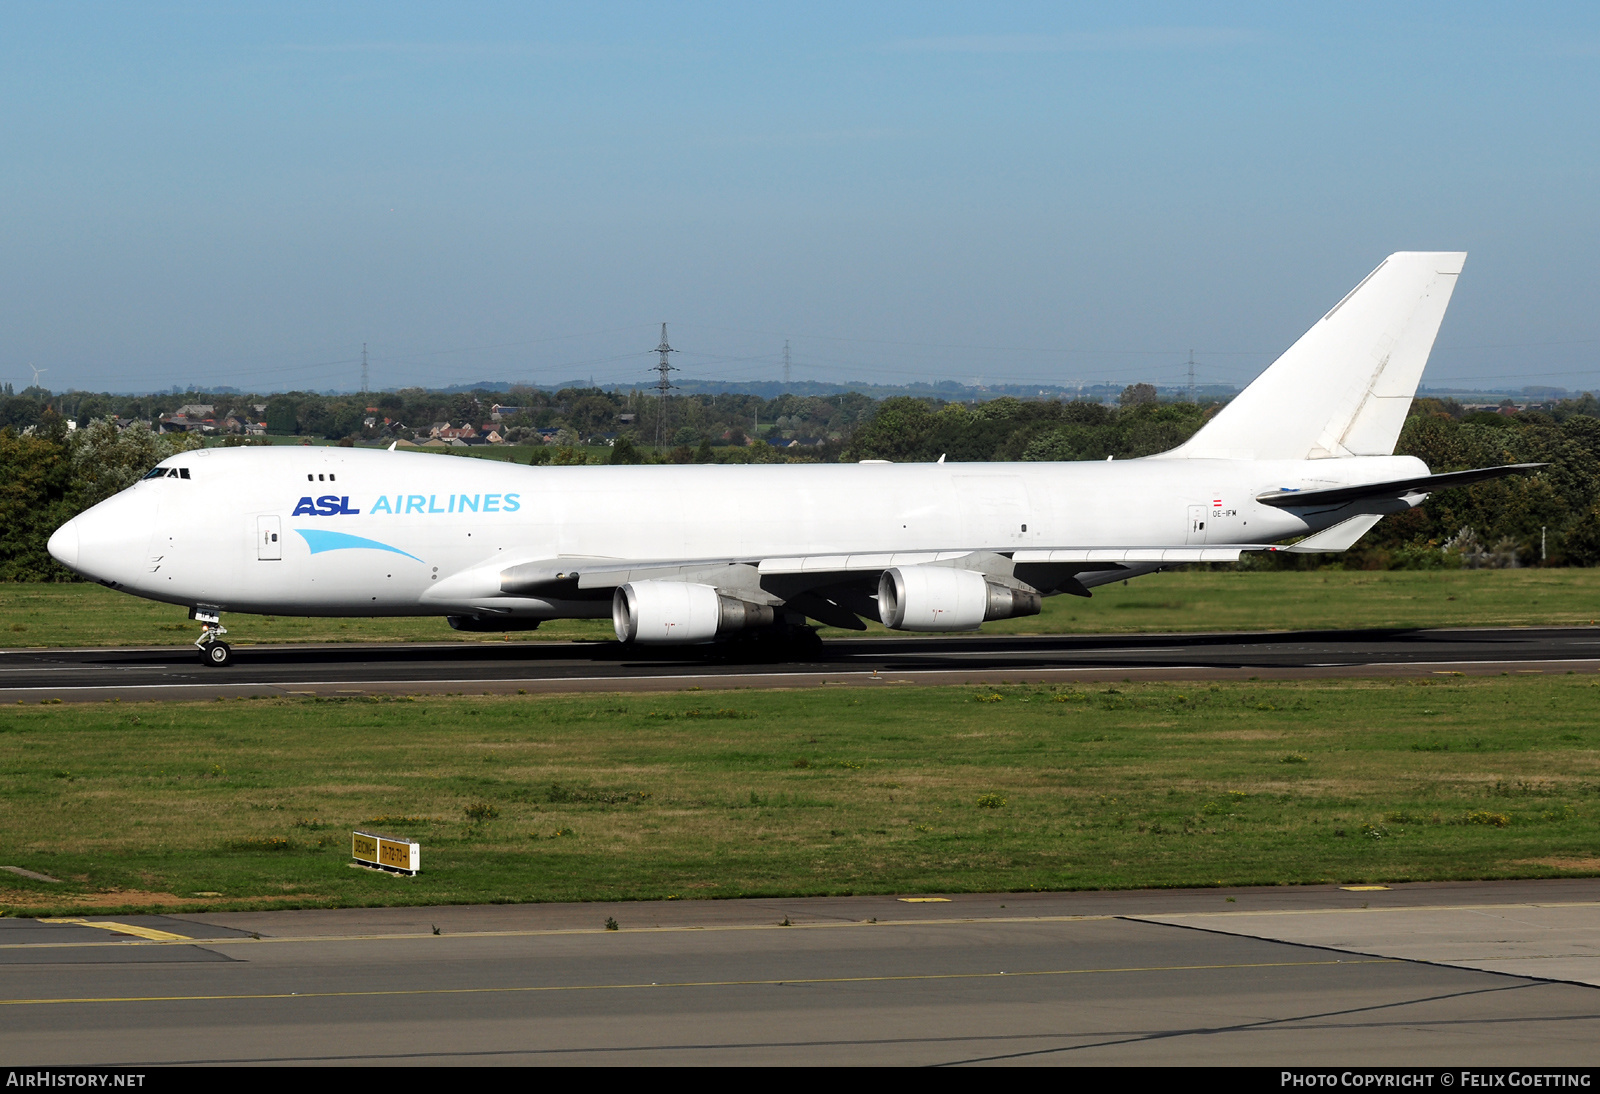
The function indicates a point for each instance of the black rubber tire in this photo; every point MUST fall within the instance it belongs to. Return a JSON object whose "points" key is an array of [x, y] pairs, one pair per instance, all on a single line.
{"points": [[219, 655]]}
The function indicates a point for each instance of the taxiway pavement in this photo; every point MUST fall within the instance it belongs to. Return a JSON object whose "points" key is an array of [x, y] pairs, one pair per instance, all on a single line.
{"points": [[1312, 975]]}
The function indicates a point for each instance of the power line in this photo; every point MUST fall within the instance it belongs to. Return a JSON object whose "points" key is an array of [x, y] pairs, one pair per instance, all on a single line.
{"points": [[663, 385]]}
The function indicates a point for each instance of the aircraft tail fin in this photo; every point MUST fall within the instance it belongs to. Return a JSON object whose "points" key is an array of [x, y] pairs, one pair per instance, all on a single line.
{"points": [[1345, 387]]}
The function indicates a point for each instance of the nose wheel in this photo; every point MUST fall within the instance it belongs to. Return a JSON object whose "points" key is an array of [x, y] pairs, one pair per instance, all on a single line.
{"points": [[213, 650]]}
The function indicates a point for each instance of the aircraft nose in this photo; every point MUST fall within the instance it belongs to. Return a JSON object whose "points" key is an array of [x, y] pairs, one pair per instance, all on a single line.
{"points": [[108, 542], [63, 545]]}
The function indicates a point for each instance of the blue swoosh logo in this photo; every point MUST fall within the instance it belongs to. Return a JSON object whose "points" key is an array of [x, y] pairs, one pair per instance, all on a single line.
{"points": [[319, 540]]}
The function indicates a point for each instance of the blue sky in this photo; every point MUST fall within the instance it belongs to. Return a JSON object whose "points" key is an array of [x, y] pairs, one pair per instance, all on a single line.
{"points": [[1010, 193]]}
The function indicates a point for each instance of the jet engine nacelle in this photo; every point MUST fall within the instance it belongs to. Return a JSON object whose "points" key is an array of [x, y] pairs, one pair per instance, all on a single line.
{"points": [[658, 613], [941, 598]]}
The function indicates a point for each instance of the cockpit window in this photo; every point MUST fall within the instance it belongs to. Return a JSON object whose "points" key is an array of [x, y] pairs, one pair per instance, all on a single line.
{"points": [[167, 473]]}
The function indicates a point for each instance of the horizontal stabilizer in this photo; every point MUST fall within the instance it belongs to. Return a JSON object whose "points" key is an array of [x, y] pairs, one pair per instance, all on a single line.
{"points": [[1397, 488]]}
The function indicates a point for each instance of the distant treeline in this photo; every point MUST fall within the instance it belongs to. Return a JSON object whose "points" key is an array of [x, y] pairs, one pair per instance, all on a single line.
{"points": [[584, 414], [48, 472]]}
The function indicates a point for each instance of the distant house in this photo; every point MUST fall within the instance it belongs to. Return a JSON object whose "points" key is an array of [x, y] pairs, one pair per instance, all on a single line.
{"points": [[500, 413], [196, 410]]}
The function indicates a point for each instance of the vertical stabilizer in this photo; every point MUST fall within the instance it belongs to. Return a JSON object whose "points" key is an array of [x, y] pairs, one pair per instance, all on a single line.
{"points": [[1344, 388]]}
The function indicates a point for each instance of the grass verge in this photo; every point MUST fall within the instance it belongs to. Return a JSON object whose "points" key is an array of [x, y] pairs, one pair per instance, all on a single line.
{"points": [[90, 615], [250, 803]]}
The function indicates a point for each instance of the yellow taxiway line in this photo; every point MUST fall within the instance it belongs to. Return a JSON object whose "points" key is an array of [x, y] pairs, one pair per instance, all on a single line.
{"points": [[150, 934], [685, 984], [165, 938]]}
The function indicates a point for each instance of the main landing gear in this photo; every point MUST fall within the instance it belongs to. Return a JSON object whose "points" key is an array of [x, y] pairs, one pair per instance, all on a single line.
{"points": [[213, 650]]}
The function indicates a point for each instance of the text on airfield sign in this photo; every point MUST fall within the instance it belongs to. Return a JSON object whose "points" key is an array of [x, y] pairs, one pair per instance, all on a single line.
{"points": [[401, 856]]}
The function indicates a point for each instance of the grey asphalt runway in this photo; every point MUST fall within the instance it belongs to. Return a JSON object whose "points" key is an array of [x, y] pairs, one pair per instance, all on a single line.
{"points": [[176, 673], [1176, 977]]}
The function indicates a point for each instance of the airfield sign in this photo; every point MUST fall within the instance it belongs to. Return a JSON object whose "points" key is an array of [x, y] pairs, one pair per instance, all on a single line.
{"points": [[386, 853]]}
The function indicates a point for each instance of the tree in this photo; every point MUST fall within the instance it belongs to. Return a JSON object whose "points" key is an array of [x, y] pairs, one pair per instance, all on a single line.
{"points": [[106, 461], [282, 417], [623, 451], [898, 431], [35, 480], [1583, 540]]}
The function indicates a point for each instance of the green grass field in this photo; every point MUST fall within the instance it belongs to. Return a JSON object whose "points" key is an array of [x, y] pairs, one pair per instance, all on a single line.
{"points": [[250, 803], [90, 615]]}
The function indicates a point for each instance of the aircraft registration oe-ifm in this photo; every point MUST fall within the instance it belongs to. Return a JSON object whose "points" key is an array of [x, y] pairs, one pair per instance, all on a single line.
{"points": [[695, 554]]}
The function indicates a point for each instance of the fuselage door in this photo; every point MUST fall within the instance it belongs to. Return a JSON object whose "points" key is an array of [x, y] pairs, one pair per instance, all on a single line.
{"points": [[994, 510], [1199, 515], [268, 548]]}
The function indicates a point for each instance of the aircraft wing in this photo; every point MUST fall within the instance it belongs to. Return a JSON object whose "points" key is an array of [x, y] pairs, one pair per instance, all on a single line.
{"points": [[835, 589]]}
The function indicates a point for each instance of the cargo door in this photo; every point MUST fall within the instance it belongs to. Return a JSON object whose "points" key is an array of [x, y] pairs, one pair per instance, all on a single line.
{"points": [[994, 511], [1199, 517], [268, 547]]}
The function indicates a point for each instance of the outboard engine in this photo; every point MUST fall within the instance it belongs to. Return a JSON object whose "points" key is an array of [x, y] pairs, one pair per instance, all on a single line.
{"points": [[941, 598], [660, 613]]}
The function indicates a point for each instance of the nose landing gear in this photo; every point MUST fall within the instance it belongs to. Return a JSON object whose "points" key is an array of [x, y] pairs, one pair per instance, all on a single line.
{"points": [[213, 650]]}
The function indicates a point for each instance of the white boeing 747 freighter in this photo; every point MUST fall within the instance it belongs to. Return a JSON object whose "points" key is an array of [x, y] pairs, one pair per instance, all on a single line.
{"points": [[690, 554]]}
